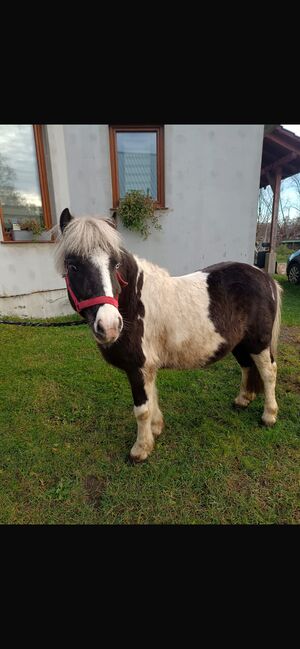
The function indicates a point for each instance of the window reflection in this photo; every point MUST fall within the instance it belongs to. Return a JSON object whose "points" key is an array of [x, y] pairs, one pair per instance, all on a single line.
{"points": [[20, 195], [137, 162]]}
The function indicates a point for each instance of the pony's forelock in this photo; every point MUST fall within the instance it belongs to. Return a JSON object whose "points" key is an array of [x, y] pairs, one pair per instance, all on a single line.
{"points": [[83, 236]]}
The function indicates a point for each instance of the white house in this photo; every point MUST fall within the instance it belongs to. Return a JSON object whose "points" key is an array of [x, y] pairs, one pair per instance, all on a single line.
{"points": [[205, 180]]}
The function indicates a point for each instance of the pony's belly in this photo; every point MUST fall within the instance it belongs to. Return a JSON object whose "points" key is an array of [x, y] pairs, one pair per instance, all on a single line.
{"points": [[185, 344], [190, 356]]}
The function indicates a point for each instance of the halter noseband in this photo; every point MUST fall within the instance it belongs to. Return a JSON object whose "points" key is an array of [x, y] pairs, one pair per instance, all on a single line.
{"points": [[101, 299]]}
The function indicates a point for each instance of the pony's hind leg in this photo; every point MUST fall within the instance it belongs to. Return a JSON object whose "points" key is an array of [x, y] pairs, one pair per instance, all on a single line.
{"points": [[157, 420], [268, 372], [245, 396], [247, 388]]}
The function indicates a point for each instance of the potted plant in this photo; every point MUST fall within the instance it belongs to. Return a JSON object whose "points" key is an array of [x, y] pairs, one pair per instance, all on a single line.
{"points": [[137, 212], [28, 231]]}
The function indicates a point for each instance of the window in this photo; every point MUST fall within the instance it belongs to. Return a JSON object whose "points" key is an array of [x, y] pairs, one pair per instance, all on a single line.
{"points": [[137, 161], [23, 183]]}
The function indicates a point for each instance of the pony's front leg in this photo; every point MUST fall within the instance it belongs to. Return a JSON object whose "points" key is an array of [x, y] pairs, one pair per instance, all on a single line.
{"points": [[142, 411]]}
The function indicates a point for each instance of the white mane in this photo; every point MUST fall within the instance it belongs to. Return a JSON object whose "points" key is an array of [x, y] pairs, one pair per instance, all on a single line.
{"points": [[83, 236]]}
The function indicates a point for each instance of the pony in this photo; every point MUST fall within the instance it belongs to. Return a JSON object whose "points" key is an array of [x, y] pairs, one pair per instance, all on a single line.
{"points": [[143, 319]]}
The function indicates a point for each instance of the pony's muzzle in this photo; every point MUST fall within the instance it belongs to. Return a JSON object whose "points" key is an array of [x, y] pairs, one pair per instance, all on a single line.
{"points": [[108, 324]]}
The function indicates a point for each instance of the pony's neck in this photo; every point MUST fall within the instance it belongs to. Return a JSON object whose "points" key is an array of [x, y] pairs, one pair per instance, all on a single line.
{"points": [[130, 272], [128, 267]]}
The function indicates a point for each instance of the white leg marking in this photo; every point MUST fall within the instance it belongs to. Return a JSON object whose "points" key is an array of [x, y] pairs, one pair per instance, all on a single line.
{"points": [[144, 441], [157, 421], [268, 372], [149, 419]]}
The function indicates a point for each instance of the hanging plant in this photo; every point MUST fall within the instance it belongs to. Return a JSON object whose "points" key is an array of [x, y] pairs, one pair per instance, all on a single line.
{"points": [[136, 211], [33, 225]]}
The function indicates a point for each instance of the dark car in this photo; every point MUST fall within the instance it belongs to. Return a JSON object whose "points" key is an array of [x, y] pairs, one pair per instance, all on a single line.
{"points": [[293, 267], [260, 254]]}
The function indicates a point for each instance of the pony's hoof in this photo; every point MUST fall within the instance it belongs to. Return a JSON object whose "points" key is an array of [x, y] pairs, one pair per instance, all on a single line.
{"points": [[137, 459], [241, 402], [157, 428], [132, 460], [269, 420], [138, 454]]}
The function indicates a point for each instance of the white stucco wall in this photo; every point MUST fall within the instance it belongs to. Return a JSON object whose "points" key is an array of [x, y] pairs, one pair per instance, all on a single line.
{"points": [[211, 181], [88, 160]]}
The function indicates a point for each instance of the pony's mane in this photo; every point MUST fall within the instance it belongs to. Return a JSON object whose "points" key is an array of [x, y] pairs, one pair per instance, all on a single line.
{"points": [[150, 268], [83, 236]]}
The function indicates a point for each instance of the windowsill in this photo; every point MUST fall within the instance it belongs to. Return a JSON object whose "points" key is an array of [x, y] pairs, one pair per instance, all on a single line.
{"points": [[156, 209], [22, 242]]}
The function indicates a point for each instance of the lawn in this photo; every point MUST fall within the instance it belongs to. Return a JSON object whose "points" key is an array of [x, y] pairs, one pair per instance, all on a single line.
{"points": [[66, 427]]}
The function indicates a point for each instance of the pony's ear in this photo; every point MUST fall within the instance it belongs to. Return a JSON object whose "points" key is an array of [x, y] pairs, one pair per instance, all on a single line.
{"points": [[111, 223], [65, 218]]}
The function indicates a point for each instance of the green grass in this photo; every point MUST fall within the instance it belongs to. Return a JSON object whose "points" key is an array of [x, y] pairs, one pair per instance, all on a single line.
{"points": [[291, 302], [66, 427], [283, 252]]}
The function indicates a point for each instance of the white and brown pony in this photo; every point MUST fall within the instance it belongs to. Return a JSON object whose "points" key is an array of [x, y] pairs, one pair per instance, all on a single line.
{"points": [[144, 320]]}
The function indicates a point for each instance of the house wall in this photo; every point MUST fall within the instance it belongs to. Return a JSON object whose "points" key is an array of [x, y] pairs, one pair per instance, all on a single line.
{"points": [[211, 182]]}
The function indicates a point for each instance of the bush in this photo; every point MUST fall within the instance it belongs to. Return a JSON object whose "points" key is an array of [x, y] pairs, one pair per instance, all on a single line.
{"points": [[283, 252], [137, 212], [33, 225]]}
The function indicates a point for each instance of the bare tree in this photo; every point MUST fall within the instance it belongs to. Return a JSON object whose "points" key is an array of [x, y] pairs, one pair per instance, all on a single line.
{"points": [[295, 185], [264, 217], [8, 194], [265, 200]]}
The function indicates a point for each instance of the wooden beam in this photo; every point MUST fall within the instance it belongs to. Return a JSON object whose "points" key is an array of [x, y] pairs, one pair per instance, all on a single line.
{"points": [[273, 234], [269, 127], [293, 170], [271, 179], [269, 157], [279, 163], [275, 210], [283, 142]]}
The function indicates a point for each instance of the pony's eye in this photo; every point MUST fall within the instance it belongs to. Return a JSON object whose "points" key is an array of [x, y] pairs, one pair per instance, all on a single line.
{"points": [[72, 267], [118, 266]]}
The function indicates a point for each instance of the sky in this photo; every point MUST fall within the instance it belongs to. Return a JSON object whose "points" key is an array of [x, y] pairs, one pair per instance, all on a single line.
{"points": [[288, 193], [295, 128]]}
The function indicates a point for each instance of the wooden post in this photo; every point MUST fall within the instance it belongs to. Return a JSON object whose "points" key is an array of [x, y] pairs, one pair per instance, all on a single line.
{"points": [[271, 258]]}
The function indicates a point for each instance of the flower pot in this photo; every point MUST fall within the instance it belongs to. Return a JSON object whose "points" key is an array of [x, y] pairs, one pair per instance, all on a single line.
{"points": [[22, 235]]}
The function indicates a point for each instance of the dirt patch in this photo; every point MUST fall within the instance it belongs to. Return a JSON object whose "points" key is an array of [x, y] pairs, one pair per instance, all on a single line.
{"points": [[290, 335], [94, 490]]}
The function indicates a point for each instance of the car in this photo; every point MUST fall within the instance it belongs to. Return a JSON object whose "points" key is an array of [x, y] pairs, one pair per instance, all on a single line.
{"points": [[293, 267], [260, 253]]}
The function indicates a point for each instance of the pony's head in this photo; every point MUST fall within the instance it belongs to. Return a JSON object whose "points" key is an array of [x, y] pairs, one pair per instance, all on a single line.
{"points": [[88, 254]]}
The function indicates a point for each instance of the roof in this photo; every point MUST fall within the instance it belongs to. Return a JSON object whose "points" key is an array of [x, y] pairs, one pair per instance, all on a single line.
{"points": [[281, 150]]}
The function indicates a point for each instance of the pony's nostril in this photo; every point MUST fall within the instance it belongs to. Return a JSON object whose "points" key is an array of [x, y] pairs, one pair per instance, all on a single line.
{"points": [[100, 329]]}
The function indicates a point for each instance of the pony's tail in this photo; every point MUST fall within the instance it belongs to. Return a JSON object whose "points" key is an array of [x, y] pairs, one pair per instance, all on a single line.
{"points": [[277, 321]]}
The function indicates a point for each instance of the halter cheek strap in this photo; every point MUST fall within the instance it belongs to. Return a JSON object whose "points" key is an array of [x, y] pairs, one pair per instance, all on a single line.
{"points": [[101, 299]]}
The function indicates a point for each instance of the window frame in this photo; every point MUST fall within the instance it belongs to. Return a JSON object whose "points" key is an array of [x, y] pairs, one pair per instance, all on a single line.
{"points": [[42, 172], [138, 128]]}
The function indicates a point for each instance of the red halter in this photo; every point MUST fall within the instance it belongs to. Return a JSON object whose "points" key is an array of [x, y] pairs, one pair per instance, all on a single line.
{"points": [[102, 299]]}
